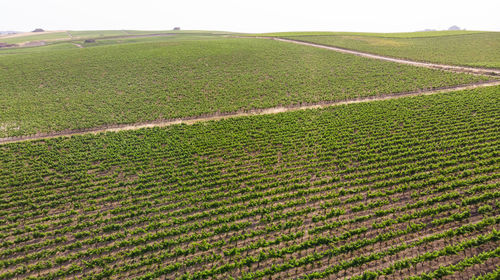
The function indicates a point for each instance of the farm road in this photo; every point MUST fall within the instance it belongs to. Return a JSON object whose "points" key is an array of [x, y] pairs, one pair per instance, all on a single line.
{"points": [[452, 68], [267, 111]]}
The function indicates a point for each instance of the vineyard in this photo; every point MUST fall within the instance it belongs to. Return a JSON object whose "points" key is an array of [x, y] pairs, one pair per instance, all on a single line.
{"points": [[418, 34], [395, 189], [56, 88], [479, 49], [55, 36], [70, 36]]}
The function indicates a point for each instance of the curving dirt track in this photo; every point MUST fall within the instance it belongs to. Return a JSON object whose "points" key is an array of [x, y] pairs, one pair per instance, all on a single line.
{"points": [[453, 68], [219, 116]]}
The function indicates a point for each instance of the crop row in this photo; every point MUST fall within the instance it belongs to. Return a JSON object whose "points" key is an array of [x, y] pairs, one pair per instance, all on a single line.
{"points": [[307, 194], [478, 49], [132, 83]]}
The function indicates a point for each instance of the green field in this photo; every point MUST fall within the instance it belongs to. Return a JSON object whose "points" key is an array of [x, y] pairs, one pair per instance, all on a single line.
{"points": [[467, 48], [112, 38], [72, 35], [129, 83], [167, 37], [63, 35], [38, 49], [363, 190], [401, 188], [112, 33], [367, 34], [205, 32], [97, 34]]}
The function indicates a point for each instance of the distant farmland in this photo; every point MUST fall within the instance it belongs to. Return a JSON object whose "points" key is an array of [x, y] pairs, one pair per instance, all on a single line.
{"points": [[480, 49], [129, 83], [274, 161]]}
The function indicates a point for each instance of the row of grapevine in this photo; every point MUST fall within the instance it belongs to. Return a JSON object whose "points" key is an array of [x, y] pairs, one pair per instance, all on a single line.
{"points": [[360, 191], [78, 89]]}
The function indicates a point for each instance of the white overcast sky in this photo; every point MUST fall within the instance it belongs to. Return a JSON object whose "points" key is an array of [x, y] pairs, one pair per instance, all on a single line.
{"points": [[250, 16]]}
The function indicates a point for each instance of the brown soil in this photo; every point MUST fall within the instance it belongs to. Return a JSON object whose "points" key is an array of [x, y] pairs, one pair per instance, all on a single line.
{"points": [[33, 44]]}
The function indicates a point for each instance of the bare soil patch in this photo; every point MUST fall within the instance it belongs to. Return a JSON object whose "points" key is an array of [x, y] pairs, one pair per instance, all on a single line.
{"points": [[33, 44]]}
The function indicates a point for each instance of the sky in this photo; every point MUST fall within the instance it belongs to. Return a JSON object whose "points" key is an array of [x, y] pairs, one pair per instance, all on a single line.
{"points": [[250, 16]]}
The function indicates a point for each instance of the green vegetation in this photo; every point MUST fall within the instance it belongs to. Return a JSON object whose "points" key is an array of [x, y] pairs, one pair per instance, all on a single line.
{"points": [[150, 39], [405, 188], [39, 49], [480, 49], [494, 275], [97, 33], [362, 190], [36, 37], [115, 33], [107, 39], [205, 32], [367, 34], [130, 83], [100, 34]]}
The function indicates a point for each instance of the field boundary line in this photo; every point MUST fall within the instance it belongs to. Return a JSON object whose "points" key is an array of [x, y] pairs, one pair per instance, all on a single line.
{"points": [[451, 68], [253, 112]]}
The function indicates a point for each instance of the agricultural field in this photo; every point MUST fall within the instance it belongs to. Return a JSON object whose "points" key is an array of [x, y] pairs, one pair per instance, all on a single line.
{"points": [[130, 37], [71, 35], [416, 34], [466, 48], [37, 49], [62, 89], [97, 34], [403, 188], [52, 36], [141, 38], [205, 32], [123, 33]]}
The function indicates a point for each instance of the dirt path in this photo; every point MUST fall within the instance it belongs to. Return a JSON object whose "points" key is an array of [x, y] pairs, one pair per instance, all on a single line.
{"points": [[453, 68], [267, 111], [32, 44], [78, 45]]}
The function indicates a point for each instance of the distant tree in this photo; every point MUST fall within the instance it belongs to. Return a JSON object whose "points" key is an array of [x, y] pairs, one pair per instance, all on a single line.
{"points": [[38, 30], [177, 28], [454, 27]]}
